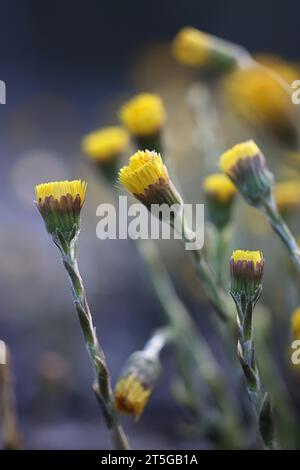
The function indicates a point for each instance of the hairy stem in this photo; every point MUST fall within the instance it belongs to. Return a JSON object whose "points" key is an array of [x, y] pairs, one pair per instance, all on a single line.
{"points": [[102, 386]]}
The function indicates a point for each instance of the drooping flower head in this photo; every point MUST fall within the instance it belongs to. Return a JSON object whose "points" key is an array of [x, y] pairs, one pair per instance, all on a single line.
{"points": [[105, 144], [198, 49], [295, 323], [147, 178], [134, 388], [220, 193], [245, 165], [246, 272], [60, 203]]}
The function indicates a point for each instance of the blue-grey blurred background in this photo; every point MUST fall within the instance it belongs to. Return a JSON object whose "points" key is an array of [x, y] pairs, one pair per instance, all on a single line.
{"points": [[67, 67]]}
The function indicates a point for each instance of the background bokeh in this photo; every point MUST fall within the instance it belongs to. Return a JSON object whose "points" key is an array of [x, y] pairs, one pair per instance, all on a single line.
{"points": [[67, 67]]}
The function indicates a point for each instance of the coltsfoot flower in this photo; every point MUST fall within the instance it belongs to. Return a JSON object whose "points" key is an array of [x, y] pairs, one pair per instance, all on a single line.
{"points": [[245, 165], [295, 323], [287, 196], [105, 144], [246, 273], [147, 178], [198, 49], [220, 193], [60, 203], [257, 95], [143, 115], [131, 396], [134, 388]]}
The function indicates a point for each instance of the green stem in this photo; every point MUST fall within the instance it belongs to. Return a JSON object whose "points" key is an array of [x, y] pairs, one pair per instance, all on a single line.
{"points": [[270, 208], [260, 400], [190, 345], [102, 386]]}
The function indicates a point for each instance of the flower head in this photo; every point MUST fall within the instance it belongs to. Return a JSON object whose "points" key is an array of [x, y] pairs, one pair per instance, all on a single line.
{"points": [[246, 272], [134, 388], [220, 193], [198, 49], [105, 144], [257, 94], [143, 115], [295, 323], [60, 203], [220, 188], [245, 165], [130, 396], [287, 195], [147, 178]]}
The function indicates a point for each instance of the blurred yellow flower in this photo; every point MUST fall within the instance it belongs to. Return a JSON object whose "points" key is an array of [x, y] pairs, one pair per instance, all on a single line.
{"points": [[287, 195], [219, 187], [143, 115], [145, 168], [105, 143], [257, 96], [295, 323], [239, 152], [192, 47], [131, 396]]}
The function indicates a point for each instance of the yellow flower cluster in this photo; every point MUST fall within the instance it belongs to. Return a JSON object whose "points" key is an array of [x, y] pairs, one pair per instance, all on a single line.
{"points": [[105, 143], [143, 115], [130, 396], [219, 187], [239, 152], [57, 189], [192, 47], [144, 169]]}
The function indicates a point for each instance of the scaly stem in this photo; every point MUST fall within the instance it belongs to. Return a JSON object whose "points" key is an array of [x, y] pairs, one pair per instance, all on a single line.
{"points": [[102, 386], [260, 400], [282, 230]]}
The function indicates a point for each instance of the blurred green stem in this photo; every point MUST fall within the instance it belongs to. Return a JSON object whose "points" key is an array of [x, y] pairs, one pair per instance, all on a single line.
{"points": [[191, 346], [102, 386], [279, 226]]}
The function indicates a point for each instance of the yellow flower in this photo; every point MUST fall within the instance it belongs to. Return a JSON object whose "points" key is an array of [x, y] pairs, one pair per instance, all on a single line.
{"points": [[257, 96], [143, 115], [59, 203], [106, 143], [295, 323], [131, 396], [287, 195], [145, 169], [58, 189], [147, 178], [219, 187], [192, 47], [245, 255], [241, 151], [246, 272]]}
